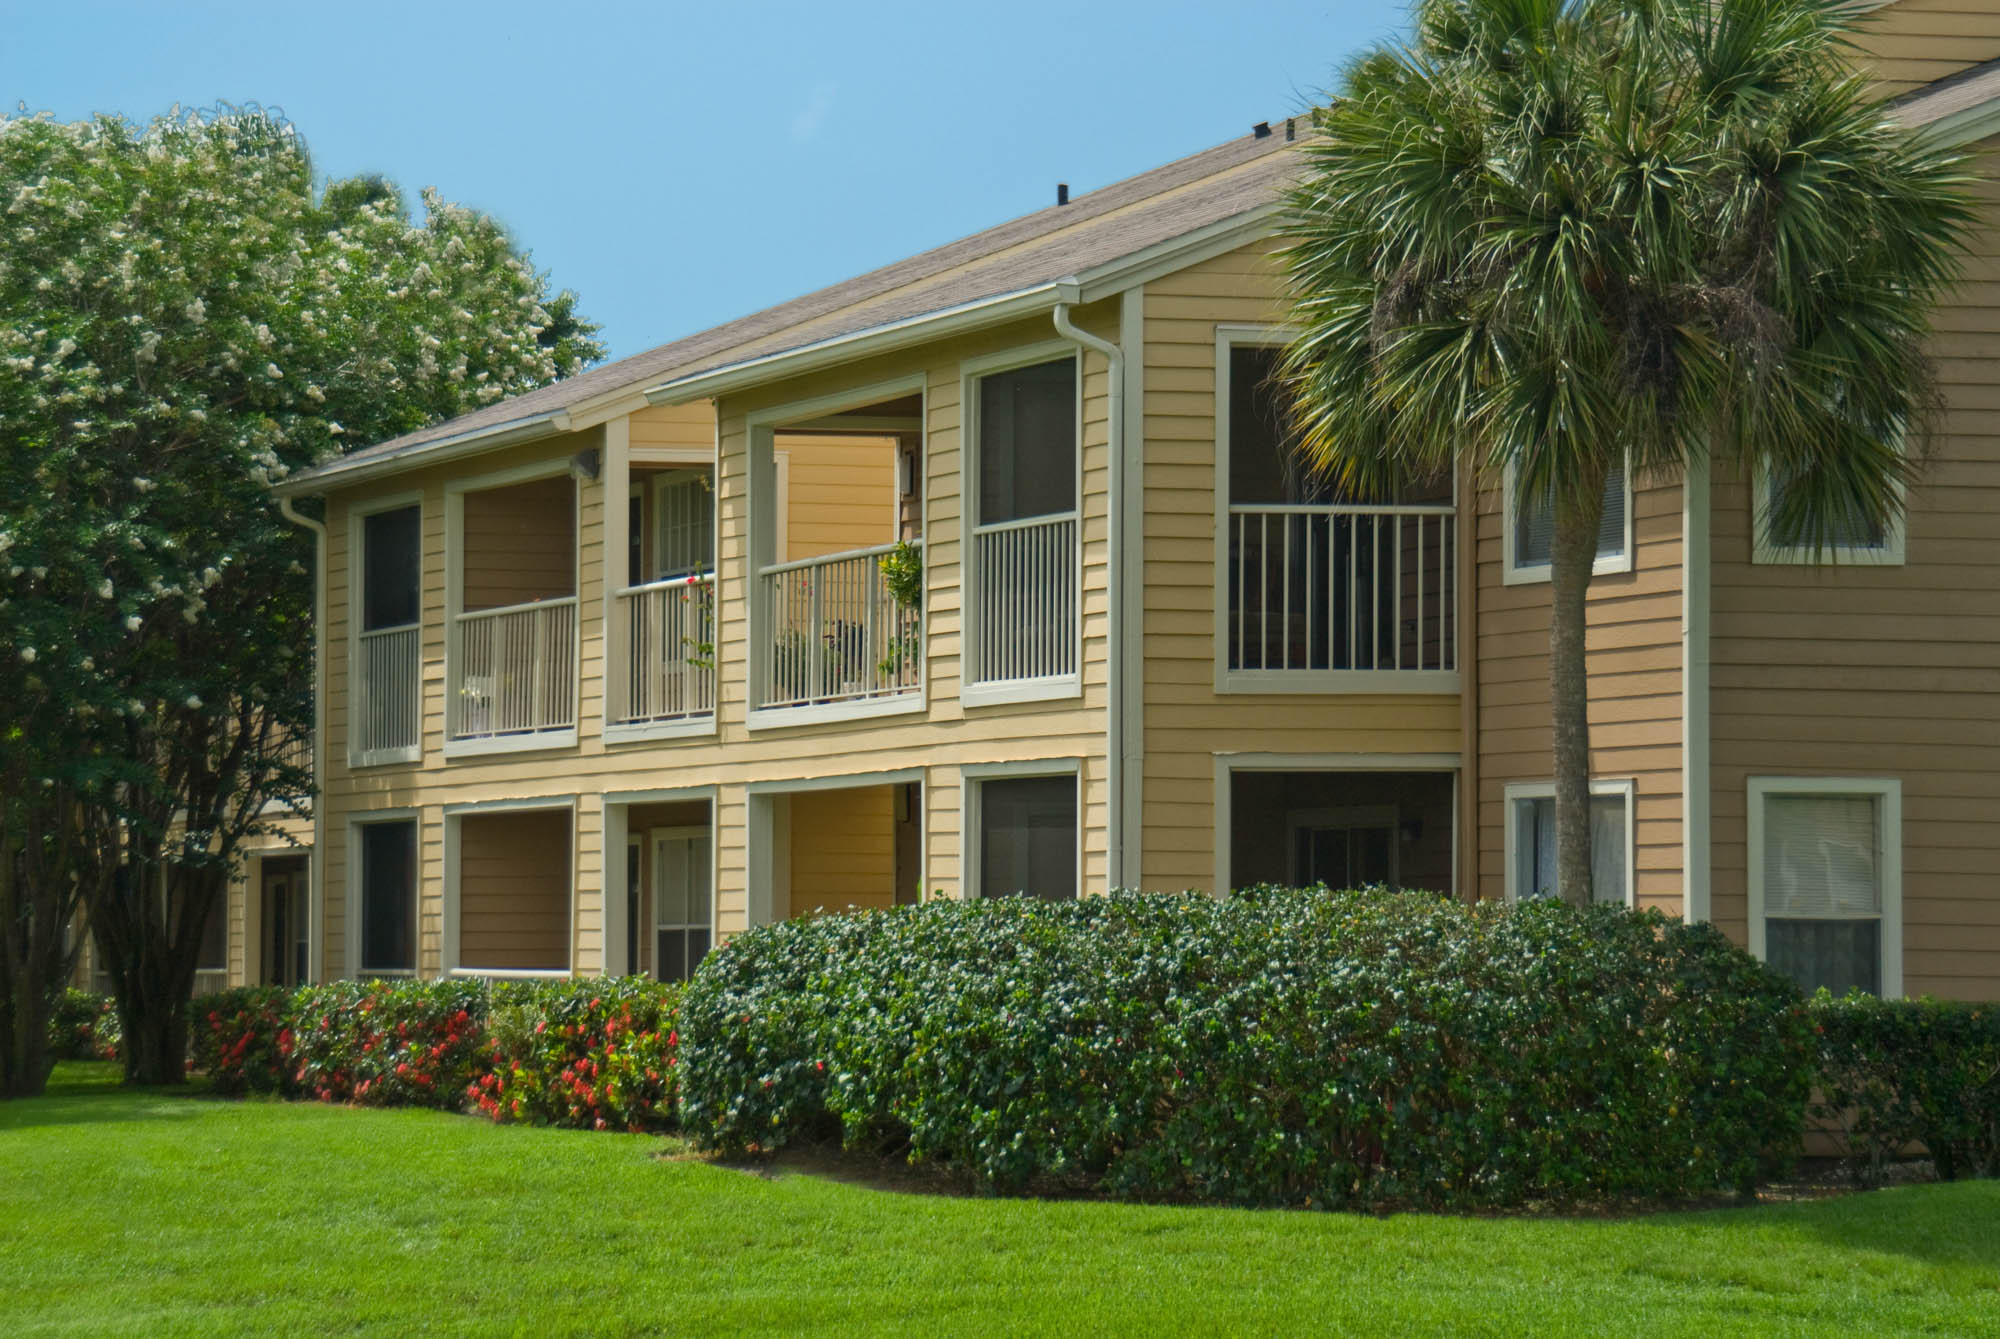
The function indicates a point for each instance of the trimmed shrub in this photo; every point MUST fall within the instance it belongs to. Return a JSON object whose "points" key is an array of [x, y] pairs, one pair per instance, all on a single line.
{"points": [[592, 1054], [84, 1026], [1277, 1047], [381, 1043], [1896, 1074], [241, 1038]]}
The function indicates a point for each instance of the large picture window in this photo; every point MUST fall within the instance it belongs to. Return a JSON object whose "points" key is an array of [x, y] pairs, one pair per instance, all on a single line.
{"points": [[1028, 837], [388, 897], [1825, 881]]}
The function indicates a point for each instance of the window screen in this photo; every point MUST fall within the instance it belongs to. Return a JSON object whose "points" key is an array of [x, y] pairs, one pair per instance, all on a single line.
{"points": [[388, 896], [1534, 523], [391, 568], [1535, 849], [1823, 890], [1027, 442], [1027, 837]]}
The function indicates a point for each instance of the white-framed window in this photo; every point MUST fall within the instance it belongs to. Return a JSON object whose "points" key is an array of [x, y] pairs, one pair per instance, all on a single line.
{"points": [[1530, 842], [383, 850], [1857, 541], [1023, 437], [683, 901], [1529, 527], [1826, 880], [385, 648], [1023, 830]]}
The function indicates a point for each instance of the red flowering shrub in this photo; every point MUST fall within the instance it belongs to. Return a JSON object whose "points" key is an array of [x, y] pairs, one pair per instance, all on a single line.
{"points": [[590, 1054], [377, 1043], [239, 1037], [84, 1027]]}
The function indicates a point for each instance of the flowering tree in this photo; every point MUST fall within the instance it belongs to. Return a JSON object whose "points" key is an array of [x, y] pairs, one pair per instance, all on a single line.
{"points": [[184, 318]]}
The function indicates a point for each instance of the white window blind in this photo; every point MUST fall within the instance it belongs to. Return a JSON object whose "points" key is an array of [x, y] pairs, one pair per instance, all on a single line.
{"points": [[1535, 849], [1535, 518], [1823, 890], [687, 523]]}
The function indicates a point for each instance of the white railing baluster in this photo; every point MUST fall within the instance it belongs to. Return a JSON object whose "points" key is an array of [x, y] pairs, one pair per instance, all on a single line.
{"points": [[836, 633], [513, 670], [388, 691], [669, 674], [1024, 589]]}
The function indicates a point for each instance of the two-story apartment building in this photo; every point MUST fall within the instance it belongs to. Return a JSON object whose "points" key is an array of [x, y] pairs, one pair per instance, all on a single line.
{"points": [[990, 571]]}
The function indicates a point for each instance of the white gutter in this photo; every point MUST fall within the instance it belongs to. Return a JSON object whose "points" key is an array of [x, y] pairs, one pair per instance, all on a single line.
{"points": [[1114, 687], [341, 473], [316, 862], [846, 348]]}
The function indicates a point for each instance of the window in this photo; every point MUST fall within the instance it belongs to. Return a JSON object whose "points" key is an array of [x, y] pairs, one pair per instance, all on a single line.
{"points": [[685, 506], [1531, 841], [1826, 881], [1027, 837], [681, 901], [1530, 526], [391, 568], [1023, 563], [1854, 539], [385, 723], [388, 896], [1353, 848]]}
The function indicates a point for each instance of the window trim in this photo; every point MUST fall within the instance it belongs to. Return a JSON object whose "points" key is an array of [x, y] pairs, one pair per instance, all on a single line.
{"points": [[351, 918], [1892, 552], [973, 777], [357, 575], [656, 842], [1887, 793], [1516, 574], [1514, 792], [971, 371]]}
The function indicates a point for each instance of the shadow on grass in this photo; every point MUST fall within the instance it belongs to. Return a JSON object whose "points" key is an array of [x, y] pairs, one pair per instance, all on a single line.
{"points": [[94, 1092]]}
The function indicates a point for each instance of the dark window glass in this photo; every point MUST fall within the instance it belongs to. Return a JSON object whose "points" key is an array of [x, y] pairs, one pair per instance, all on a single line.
{"points": [[1839, 955], [1264, 465], [388, 896], [1535, 520], [635, 543], [1027, 837], [215, 939], [391, 568], [1027, 442]]}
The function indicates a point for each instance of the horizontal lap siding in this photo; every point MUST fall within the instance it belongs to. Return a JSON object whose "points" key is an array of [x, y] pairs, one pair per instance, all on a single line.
{"points": [[514, 889], [1187, 723], [520, 543], [843, 849], [1916, 42], [1886, 671], [842, 494], [935, 742], [1633, 641]]}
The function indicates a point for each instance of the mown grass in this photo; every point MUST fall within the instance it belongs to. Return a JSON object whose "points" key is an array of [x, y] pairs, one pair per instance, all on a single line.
{"points": [[140, 1213]]}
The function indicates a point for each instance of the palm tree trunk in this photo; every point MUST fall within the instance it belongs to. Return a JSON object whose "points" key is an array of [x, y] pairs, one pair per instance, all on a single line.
{"points": [[1572, 555]]}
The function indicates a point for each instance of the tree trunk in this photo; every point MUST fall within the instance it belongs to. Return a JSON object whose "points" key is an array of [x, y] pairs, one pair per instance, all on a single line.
{"points": [[156, 1042], [1572, 555], [38, 903], [25, 1064], [150, 938]]}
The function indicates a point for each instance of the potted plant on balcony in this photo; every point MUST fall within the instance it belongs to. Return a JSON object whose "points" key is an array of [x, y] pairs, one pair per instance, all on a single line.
{"points": [[903, 576]]}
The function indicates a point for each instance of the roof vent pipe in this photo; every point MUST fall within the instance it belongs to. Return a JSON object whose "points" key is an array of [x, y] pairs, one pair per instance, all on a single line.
{"points": [[1288, 129], [1062, 192], [1262, 130]]}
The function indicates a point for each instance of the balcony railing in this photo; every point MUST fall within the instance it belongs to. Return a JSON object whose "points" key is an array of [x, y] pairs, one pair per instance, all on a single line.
{"points": [[513, 671], [1025, 605], [666, 663], [836, 633], [388, 704], [211, 980], [1341, 589]]}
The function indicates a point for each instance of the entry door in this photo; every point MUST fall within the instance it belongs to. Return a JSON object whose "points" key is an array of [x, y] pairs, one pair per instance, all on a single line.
{"points": [[683, 908], [285, 926]]}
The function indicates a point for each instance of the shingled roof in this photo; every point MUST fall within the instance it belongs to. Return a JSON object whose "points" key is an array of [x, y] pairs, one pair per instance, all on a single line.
{"points": [[1244, 177]]}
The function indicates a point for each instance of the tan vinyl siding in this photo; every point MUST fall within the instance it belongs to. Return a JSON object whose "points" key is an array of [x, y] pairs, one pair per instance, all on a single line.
{"points": [[520, 543], [514, 889], [1886, 671], [842, 494], [932, 742], [843, 849], [683, 427], [1633, 639], [1916, 42], [1187, 722]]}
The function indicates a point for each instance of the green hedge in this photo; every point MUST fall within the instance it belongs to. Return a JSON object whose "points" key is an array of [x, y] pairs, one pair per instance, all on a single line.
{"points": [[1275, 1047], [84, 1026], [591, 1054], [1899, 1074]]}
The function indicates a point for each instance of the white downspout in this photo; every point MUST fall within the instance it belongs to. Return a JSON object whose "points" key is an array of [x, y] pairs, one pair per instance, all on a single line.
{"points": [[1114, 690], [316, 887]]}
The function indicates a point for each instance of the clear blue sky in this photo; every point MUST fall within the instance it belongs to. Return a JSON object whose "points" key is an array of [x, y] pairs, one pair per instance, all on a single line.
{"points": [[680, 164]]}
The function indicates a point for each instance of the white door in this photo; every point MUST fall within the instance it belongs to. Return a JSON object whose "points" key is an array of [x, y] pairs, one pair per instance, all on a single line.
{"points": [[683, 901]]}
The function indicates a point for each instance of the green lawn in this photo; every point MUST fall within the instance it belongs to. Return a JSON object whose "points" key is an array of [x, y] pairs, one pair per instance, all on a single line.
{"points": [[147, 1214]]}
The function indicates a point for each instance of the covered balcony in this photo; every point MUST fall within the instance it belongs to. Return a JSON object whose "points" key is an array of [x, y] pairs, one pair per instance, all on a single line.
{"points": [[509, 894], [662, 659], [511, 641], [828, 849], [838, 597]]}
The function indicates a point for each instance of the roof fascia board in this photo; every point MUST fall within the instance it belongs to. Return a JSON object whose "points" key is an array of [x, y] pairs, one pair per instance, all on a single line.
{"points": [[1176, 253], [1965, 125], [342, 474], [847, 348]]}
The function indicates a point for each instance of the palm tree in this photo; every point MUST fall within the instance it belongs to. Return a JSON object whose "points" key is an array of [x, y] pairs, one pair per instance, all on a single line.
{"points": [[1549, 233]]}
